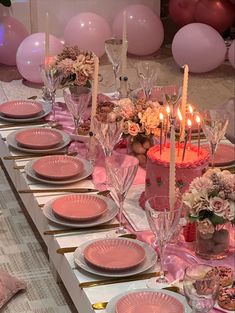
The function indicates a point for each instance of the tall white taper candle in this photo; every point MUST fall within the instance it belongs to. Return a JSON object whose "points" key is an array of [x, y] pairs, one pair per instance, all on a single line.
{"points": [[172, 176], [124, 45], [47, 40], [184, 100]]}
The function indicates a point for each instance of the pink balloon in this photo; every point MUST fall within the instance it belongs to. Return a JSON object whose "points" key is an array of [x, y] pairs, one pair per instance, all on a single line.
{"points": [[231, 53], [144, 29], [200, 46], [31, 54], [12, 33], [89, 31]]}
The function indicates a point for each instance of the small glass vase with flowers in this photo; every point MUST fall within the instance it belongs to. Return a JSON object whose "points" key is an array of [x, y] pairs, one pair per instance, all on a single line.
{"points": [[210, 203]]}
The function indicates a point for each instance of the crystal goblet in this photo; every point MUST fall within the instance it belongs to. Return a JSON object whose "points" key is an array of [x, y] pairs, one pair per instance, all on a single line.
{"points": [[51, 78], [201, 287], [163, 222], [113, 49], [107, 130], [148, 73], [214, 125], [121, 170]]}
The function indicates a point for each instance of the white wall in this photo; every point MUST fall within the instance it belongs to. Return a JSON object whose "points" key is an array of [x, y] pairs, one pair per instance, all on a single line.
{"points": [[32, 12]]}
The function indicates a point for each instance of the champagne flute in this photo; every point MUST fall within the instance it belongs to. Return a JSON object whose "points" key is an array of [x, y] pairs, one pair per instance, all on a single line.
{"points": [[201, 287], [163, 222], [113, 49], [214, 125], [51, 78], [121, 170]]}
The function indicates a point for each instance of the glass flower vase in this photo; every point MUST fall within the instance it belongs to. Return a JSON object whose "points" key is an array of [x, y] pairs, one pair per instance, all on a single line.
{"points": [[213, 246], [139, 145]]}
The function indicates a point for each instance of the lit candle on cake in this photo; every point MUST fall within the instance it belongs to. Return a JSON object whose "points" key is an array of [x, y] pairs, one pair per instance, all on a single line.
{"points": [[184, 100], [124, 45], [198, 121], [189, 122], [190, 108], [47, 41], [167, 123], [172, 175], [161, 128]]}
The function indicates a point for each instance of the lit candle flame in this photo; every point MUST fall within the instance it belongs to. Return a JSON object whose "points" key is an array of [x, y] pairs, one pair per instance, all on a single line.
{"points": [[198, 120], [190, 109], [161, 116], [189, 123], [180, 115], [168, 110]]}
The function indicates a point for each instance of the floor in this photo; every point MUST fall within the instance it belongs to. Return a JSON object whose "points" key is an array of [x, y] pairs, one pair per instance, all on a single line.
{"points": [[20, 251]]}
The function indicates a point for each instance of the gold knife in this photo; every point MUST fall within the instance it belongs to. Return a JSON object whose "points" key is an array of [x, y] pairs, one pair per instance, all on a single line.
{"points": [[27, 156], [9, 125], [72, 230], [75, 190], [117, 280]]}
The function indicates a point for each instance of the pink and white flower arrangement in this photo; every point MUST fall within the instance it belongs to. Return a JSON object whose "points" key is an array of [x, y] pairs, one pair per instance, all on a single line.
{"points": [[139, 116], [210, 200], [76, 66]]}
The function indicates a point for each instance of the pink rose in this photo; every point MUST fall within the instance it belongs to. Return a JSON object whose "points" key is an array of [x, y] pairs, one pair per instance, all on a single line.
{"points": [[205, 227], [219, 206], [133, 128], [230, 211]]}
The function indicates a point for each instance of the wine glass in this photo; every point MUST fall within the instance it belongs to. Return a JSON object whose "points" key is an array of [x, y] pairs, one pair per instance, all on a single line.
{"points": [[51, 78], [163, 222], [214, 125], [77, 99], [121, 170], [147, 73], [201, 287], [108, 130], [113, 49]]}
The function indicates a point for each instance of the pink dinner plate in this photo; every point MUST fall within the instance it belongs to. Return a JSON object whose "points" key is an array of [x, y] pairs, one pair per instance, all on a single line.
{"points": [[57, 167], [149, 302], [38, 138], [225, 154], [114, 254], [79, 207], [20, 108]]}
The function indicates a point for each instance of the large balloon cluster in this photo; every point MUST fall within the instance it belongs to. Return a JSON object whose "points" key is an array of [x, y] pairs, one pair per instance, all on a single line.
{"points": [[87, 30], [199, 42]]}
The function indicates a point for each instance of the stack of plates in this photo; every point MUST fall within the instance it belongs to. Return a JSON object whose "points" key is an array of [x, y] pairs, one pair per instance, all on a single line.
{"points": [[23, 110], [58, 169], [80, 210], [115, 257], [151, 301], [38, 140]]}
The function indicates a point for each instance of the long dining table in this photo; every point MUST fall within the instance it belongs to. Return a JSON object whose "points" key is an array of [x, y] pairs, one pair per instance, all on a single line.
{"points": [[63, 266]]}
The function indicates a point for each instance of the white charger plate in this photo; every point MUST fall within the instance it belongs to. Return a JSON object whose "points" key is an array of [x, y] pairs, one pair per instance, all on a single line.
{"points": [[13, 143], [111, 212], [46, 109], [149, 261], [112, 303], [87, 171]]}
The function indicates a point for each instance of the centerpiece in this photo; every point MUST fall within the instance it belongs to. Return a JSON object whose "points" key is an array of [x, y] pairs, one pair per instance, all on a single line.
{"points": [[210, 204], [141, 124]]}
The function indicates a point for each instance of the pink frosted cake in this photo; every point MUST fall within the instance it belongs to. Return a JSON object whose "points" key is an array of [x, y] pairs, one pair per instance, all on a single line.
{"points": [[157, 169]]}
